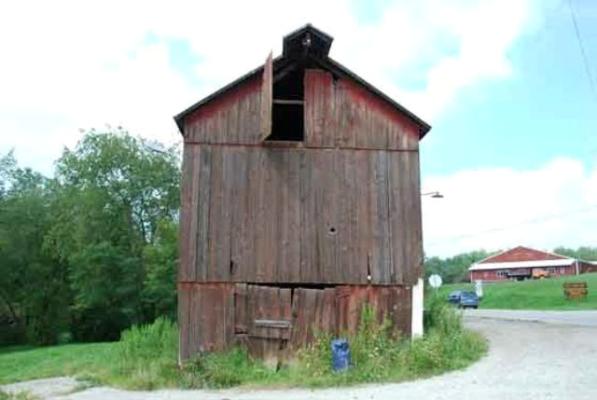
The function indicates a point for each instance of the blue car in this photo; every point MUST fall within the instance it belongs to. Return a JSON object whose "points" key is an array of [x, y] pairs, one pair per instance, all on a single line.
{"points": [[468, 300], [454, 297]]}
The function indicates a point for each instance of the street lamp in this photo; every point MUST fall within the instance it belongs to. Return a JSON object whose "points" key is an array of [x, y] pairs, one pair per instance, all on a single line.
{"points": [[434, 195]]}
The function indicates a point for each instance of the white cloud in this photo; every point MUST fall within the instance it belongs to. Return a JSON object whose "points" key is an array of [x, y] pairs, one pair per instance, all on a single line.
{"points": [[493, 209], [70, 64]]}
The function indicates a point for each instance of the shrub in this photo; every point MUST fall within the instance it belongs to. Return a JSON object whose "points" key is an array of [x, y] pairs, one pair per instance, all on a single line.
{"points": [[147, 355], [220, 370]]}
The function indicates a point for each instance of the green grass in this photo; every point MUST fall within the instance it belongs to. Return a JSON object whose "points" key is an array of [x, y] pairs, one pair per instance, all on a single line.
{"points": [[146, 358], [23, 363], [541, 294]]}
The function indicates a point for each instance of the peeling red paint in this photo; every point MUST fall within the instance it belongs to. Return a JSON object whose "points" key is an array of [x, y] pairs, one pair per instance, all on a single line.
{"points": [[225, 100], [360, 94], [522, 253]]}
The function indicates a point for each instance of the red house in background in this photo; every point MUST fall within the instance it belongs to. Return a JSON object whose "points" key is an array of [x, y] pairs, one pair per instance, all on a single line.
{"points": [[525, 263]]}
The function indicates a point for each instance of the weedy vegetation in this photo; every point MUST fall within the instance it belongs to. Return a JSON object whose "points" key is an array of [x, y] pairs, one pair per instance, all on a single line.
{"points": [[146, 358]]}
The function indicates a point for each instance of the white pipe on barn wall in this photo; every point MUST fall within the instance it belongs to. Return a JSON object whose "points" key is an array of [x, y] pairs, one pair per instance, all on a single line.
{"points": [[417, 309]]}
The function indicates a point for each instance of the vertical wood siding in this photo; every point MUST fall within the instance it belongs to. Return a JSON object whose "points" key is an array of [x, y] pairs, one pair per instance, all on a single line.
{"points": [[235, 117], [272, 322], [340, 113], [259, 214], [337, 114]]}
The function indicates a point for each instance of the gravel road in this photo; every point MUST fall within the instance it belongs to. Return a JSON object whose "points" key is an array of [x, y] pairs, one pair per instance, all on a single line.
{"points": [[578, 318], [527, 360]]}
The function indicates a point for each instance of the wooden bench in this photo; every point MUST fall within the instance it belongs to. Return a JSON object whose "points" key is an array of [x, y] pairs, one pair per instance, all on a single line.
{"points": [[575, 290]]}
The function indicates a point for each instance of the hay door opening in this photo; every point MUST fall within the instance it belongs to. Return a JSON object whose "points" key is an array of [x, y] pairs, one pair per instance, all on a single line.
{"points": [[287, 107]]}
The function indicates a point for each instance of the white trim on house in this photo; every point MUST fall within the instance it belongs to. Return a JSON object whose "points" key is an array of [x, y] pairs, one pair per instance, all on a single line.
{"points": [[522, 264]]}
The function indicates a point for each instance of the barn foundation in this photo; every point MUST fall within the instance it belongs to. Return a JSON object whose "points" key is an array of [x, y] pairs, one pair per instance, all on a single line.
{"points": [[273, 321]]}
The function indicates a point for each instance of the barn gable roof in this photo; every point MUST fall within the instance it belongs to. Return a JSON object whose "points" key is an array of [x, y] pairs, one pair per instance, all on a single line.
{"points": [[318, 44], [521, 257], [522, 253]]}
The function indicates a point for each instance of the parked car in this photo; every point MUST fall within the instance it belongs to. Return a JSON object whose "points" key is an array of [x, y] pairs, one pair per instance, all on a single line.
{"points": [[454, 297], [468, 300]]}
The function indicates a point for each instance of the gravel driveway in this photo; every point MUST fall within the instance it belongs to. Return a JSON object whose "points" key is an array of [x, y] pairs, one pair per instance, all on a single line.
{"points": [[527, 360]]}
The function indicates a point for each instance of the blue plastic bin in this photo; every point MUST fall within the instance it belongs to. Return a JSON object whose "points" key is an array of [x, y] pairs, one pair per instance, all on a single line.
{"points": [[340, 355]]}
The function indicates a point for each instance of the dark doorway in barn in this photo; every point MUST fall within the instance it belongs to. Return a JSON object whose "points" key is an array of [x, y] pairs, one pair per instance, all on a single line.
{"points": [[288, 107]]}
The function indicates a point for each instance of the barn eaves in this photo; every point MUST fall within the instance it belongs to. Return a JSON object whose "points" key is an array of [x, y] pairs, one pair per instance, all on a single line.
{"points": [[306, 47]]}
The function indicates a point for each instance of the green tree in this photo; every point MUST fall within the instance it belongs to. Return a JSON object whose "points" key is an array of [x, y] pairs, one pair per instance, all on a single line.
{"points": [[453, 269], [161, 263], [34, 291], [114, 190], [585, 253]]}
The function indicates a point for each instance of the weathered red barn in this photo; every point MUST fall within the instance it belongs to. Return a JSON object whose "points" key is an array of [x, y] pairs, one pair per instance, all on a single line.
{"points": [[300, 204], [520, 262]]}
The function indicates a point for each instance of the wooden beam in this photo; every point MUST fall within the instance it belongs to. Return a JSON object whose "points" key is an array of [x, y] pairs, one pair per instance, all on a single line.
{"points": [[289, 102]]}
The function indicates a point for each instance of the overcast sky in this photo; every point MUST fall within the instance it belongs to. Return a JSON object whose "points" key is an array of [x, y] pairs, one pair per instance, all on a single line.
{"points": [[514, 141]]}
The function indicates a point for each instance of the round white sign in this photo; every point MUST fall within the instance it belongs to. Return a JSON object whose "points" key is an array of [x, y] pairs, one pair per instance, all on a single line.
{"points": [[435, 281]]}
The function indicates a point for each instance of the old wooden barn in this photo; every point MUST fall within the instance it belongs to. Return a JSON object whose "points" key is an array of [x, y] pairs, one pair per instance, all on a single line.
{"points": [[300, 204]]}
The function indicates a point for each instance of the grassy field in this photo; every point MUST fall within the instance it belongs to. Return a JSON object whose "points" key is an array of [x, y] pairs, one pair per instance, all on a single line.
{"points": [[19, 363], [146, 358], [543, 294]]}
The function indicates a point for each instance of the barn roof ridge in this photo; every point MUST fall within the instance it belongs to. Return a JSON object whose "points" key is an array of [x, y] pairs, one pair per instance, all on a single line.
{"points": [[489, 259], [322, 43]]}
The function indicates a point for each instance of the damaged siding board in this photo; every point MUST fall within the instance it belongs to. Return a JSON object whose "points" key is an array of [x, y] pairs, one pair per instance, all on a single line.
{"points": [[305, 315], [269, 322]]}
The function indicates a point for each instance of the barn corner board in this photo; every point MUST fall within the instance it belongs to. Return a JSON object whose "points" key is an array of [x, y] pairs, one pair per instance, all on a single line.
{"points": [[300, 203]]}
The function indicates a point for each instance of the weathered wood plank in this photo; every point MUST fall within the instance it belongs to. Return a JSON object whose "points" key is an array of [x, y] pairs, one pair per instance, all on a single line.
{"points": [[241, 309], [343, 211], [186, 270], [215, 213], [320, 121], [239, 228], [399, 192], [200, 232], [325, 219], [308, 241], [184, 305], [414, 226], [378, 184], [267, 89], [292, 203], [224, 263]]}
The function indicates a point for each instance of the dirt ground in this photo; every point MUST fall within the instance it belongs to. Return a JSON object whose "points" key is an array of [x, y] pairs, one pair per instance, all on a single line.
{"points": [[527, 360]]}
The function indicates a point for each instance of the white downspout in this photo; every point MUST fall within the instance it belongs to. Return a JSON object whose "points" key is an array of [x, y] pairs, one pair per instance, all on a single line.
{"points": [[417, 309], [576, 263]]}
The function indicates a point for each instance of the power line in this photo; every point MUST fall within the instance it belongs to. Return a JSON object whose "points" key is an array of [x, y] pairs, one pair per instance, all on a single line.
{"points": [[522, 223], [582, 50]]}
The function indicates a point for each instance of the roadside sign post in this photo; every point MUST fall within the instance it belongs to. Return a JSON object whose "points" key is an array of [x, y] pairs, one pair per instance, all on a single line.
{"points": [[479, 288], [435, 281]]}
